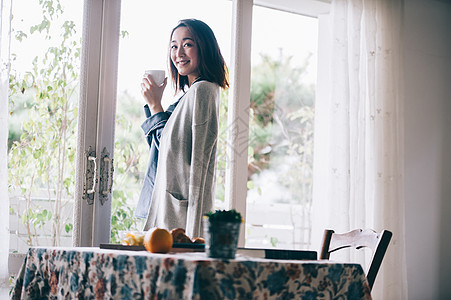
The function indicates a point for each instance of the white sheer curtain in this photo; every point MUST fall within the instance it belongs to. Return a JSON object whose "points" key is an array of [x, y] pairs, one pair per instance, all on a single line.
{"points": [[358, 180], [4, 84]]}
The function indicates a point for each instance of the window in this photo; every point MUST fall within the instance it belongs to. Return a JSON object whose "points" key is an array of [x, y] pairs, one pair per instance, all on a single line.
{"points": [[280, 165]]}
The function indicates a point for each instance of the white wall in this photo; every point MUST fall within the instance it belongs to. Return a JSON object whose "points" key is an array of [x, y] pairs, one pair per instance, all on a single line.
{"points": [[428, 148]]}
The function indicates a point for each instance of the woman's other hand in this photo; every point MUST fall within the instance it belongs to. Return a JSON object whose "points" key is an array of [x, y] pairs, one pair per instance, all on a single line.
{"points": [[152, 93]]}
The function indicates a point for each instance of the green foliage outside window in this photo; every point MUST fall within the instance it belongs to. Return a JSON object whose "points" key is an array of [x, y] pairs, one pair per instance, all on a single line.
{"points": [[42, 151], [281, 126]]}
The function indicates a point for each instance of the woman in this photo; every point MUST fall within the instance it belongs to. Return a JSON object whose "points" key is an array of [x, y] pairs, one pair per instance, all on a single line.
{"points": [[179, 183]]}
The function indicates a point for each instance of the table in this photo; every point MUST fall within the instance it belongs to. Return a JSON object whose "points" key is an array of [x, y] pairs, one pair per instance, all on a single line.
{"points": [[93, 273]]}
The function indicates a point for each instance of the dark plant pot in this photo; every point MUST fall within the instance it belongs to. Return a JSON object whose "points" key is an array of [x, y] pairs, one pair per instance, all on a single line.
{"points": [[221, 238]]}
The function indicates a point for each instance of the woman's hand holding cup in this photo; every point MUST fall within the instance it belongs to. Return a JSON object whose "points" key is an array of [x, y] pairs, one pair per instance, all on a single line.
{"points": [[152, 87]]}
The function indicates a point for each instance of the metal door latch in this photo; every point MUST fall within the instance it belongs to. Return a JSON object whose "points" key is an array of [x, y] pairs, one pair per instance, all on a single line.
{"points": [[106, 176], [90, 176]]}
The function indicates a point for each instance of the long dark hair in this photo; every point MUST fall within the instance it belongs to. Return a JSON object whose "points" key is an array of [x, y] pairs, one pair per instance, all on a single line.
{"points": [[212, 66]]}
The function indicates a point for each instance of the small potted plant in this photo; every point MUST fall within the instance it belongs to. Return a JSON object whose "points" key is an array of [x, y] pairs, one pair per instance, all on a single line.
{"points": [[221, 229]]}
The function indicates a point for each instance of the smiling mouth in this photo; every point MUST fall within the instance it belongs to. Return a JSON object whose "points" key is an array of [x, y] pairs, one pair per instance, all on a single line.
{"points": [[182, 62]]}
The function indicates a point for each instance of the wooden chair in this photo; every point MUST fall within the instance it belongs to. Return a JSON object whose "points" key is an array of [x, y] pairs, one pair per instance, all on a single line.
{"points": [[377, 242]]}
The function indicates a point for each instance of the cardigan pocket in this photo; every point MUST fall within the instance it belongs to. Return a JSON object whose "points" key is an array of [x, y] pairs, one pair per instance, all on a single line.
{"points": [[178, 199], [176, 211]]}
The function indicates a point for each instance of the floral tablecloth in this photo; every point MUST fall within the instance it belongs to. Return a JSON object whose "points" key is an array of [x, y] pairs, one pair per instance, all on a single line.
{"points": [[93, 273]]}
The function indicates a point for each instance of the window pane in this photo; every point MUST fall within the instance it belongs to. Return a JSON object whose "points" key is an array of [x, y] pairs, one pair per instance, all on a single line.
{"points": [[283, 80], [44, 86], [145, 28]]}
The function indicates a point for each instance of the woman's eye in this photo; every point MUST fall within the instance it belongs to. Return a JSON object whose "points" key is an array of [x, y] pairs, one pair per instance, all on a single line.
{"points": [[188, 45], [173, 47]]}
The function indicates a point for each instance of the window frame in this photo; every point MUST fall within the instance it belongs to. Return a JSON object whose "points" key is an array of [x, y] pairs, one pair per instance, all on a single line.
{"points": [[238, 113], [97, 110]]}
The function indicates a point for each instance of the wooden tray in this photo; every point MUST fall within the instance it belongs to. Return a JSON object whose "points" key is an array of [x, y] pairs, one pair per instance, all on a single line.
{"points": [[122, 247], [178, 247]]}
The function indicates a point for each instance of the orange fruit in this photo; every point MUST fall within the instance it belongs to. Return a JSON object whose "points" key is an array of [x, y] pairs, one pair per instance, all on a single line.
{"points": [[158, 240]]}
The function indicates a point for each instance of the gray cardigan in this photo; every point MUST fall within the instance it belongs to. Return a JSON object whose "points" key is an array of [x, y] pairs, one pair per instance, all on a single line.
{"points": [[185, 181]]}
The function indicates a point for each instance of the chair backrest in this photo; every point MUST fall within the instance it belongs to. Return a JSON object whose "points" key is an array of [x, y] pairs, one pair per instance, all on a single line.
{"points": [[377, 242]]}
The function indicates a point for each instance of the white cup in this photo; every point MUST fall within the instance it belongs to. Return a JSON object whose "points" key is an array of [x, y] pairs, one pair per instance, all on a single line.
{"points": [[157, 75]]}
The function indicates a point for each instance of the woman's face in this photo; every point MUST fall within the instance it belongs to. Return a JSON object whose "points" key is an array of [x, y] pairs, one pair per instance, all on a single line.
{"points": [[185, 54]]}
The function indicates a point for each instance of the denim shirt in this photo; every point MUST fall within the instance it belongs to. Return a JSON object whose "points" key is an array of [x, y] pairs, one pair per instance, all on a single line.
{"points": [[152, 127]]}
